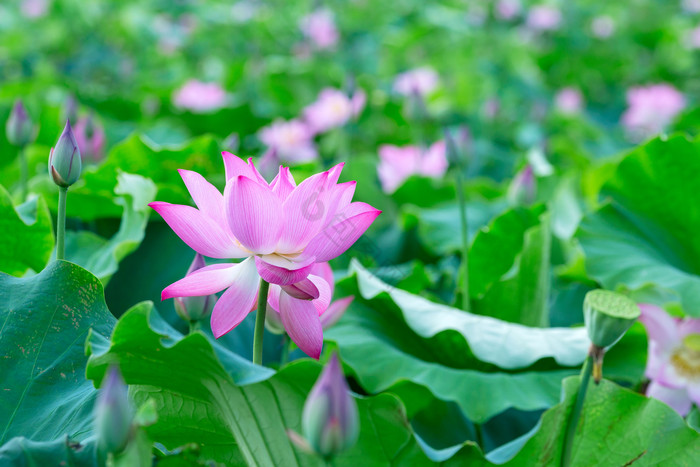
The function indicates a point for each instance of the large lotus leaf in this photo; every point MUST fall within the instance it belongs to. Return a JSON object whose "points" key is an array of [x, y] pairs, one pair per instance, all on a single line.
{"points": [[506, 345], [102, 256], [26, 234], [92, 196], [21, 451], [617, 427], [510, 261], [647, 234], [44, 320], [236, 422]]}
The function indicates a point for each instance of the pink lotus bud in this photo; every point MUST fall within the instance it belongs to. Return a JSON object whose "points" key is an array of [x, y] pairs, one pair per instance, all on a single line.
{"points": [[113, 413], [90, 137], [523, 188], [64, 159], [330, 421], [603, 26], [19, 128], [569, 101], [195, 308]]}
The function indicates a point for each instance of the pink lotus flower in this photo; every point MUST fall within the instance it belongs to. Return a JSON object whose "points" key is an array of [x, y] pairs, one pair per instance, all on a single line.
{"points": [[329, 314], [651, 108], [673, 364], [420, 82], [319, 26], [281, 230], [603, 26], [90, 136], [569, 101], [508, 9], [333, 108], [290, 141], [399, 163], [693, 38], [34, 8], [199, 97], [543, 18]]}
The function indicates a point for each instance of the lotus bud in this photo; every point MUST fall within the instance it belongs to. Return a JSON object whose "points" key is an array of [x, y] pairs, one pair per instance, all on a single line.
{"points": [[19, 128], [64, 159], [70, 109], [90, 137], [608, 315], [523, 188], [330, 420], [195, 308], [113, 413]]}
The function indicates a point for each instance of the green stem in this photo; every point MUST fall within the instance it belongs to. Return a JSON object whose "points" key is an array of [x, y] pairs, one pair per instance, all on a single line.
{"points": [[61, 223], [260, 323], [195, 326], [286, 347], [465, 238], [23, 174], [576, 412]]}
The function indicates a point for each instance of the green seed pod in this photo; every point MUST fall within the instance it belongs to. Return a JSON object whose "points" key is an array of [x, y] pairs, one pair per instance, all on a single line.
{"points": [[608, 315]]}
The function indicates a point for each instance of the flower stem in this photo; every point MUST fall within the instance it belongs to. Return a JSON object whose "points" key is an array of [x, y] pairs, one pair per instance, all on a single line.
{"points": [[465, 238], [286, 349], [260, 323], [576, 412], [61, 223], [194, 326], [23, 174]]}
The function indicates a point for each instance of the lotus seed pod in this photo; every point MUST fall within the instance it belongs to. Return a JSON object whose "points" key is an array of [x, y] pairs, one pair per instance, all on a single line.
{"points": [[608, 315]]}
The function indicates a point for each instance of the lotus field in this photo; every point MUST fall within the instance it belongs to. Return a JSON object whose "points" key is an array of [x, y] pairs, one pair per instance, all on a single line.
{"points": [[349, 233]]}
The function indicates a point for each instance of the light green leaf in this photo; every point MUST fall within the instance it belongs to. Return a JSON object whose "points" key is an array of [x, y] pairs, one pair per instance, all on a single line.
{"points": [[26, 235], [101, 256]]}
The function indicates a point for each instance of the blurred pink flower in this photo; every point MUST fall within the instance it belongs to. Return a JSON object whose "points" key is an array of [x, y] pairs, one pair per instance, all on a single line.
{"points": [[329, 315], [34, 8], [544, 18], [319, 26], [291, 141], [569, 101], [673, 363], [691, 6], [281, 230], [200, 97], [508, 9], [90, 136], [651, 108], [693, 39], [421, 82], [398, 163], [603, 26], [333, 109], [523, 188]]}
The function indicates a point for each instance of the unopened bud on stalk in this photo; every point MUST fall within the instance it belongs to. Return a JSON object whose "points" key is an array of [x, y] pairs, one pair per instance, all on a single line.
{"points": [[523, 188], [608, 315], [330, 421], [113, 413], [19, 128], [64, 159], [195, 308]]}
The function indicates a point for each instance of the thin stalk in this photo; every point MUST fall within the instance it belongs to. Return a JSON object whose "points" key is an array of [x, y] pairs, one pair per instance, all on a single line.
{"points": [[286, 348], [61, 223], [23, 174], [576, 412], [260, 323], [465, 238], [195, 326]]}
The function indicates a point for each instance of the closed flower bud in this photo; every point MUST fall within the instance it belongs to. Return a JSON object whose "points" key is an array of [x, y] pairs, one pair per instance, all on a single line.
{"points": [[195, 308], [330, 421], [523, 188], [113, 413], [608, 315], [19, 128], [64, 159]]}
